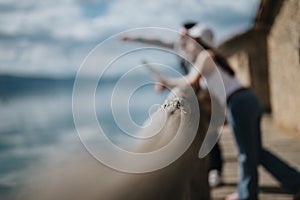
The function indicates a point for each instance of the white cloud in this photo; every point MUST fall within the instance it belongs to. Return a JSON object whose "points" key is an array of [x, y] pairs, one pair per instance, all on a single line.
{"points": [[54, 36]]}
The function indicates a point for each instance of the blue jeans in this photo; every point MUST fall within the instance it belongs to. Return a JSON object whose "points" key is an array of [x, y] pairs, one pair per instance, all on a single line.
{"points": [[215, 158], [245, 113]]}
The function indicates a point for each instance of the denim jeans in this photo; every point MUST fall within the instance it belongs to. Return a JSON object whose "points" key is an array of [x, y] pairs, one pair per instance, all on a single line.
{"points": [[215, 158], [245, 113]]}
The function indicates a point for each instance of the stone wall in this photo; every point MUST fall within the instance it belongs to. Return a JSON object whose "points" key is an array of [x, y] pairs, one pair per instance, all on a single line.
{"points": [[240, 64], [258, 66], [284, 66], [251, 64]]}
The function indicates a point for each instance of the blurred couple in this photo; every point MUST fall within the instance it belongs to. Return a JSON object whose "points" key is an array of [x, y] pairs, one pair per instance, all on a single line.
{"points": [[244, 111], [215, 161]]}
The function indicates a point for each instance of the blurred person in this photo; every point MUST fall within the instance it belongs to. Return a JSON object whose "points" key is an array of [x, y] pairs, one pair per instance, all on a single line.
{"points": [[245, 112], [215, 156], [178, 45]]}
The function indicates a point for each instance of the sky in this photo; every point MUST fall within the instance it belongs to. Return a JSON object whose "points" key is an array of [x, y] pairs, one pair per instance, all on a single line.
{"points": [[52, 37]]}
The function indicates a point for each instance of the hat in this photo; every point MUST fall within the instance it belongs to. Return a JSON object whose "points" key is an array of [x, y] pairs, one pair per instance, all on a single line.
{"points": [[203, 32]]}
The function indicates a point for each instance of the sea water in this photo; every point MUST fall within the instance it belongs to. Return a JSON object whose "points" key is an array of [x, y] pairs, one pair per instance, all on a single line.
{"points": [[37, 127]]}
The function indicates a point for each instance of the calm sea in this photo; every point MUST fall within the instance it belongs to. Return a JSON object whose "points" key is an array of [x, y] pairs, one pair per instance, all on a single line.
{"points": [[37, 127]]}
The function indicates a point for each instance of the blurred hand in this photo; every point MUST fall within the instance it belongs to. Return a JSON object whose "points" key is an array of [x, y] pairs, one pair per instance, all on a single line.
{"points": [[161, 83], [125, 38], [159, 87]]}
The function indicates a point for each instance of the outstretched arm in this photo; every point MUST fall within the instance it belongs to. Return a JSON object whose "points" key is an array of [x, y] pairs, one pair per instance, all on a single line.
{"points": [[156, 42], [203, 63], [191, 79]]}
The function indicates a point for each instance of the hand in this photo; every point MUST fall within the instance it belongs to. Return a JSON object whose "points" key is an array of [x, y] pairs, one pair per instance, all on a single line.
{"points": [[125, 38], [159, 87], [161, 84]]}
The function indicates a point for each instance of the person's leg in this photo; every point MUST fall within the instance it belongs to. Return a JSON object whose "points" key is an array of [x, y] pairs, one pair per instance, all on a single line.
{"points": [[215, 166], [245, 112], [248, 159], [286, 175], [215, 160]]}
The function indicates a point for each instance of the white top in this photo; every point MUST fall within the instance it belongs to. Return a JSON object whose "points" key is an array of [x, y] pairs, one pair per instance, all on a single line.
{"points": [[219, 83]]}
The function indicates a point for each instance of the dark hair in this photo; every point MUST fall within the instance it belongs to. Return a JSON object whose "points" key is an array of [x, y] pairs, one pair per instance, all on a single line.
{"points": [[189, 25], [217, 57]]}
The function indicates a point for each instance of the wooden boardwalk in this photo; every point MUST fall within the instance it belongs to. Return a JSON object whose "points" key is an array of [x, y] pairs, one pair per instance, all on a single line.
{"points": [[283, 143]]}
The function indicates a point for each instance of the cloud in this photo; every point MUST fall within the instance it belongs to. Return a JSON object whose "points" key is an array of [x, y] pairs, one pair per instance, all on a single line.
{"points": [[53, 37]]}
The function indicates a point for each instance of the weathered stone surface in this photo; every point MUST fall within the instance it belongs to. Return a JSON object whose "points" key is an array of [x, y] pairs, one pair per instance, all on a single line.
{"points": [[284, 67]]}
